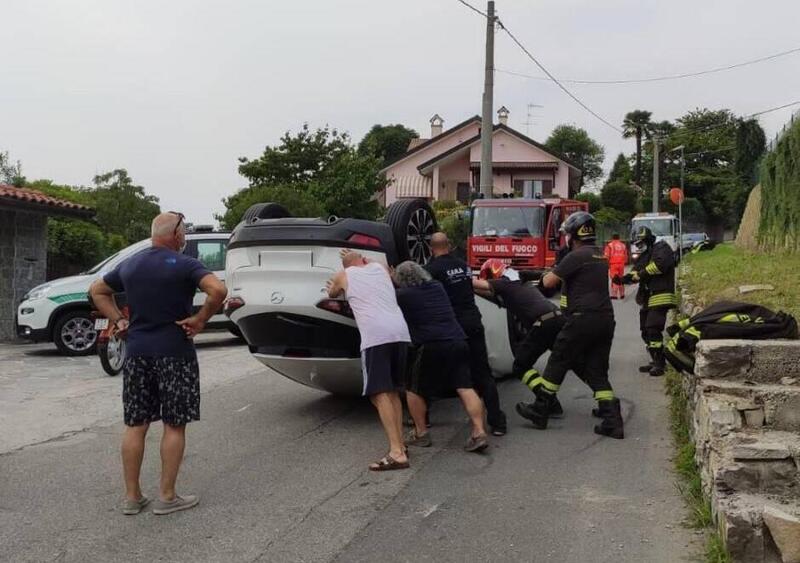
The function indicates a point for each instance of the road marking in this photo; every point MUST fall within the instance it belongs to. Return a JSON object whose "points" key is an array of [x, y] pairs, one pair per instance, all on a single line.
{"points": [[244, 408]]}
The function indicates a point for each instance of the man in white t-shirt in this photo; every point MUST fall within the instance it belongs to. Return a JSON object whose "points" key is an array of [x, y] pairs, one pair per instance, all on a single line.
{"points": [[384, 345]]}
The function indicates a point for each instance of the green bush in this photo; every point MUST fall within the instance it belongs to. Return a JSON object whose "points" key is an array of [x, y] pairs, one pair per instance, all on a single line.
{"points": [[780, 194], [456, 226], [592, 199], [619, 196]]}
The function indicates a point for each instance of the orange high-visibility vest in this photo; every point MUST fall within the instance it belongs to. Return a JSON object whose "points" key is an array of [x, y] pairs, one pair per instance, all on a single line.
{"points": [[616, 252]]}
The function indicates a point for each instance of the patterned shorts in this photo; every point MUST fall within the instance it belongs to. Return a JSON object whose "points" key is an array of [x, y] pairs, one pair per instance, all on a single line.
{"points": [[161, 388]]}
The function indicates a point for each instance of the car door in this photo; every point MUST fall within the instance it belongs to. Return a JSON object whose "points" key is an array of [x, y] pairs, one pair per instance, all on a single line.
{"points": [[211, 253]]}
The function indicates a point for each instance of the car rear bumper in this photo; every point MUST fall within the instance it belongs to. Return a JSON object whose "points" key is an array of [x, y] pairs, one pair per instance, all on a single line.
{"points": [[340, 376]]}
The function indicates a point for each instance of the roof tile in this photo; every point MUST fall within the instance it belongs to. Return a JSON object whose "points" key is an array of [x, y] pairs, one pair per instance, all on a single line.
{"points": [[36, 197]]}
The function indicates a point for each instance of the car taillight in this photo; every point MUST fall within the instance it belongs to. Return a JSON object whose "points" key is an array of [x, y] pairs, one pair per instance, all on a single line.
{"points": [[231, 305], [364, 240], [338, 306]]}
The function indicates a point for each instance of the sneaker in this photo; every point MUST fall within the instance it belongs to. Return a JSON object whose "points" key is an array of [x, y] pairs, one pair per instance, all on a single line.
{"points": [[178, 503], [424, 441], [131, 507], [477, 444], [499, 430]]}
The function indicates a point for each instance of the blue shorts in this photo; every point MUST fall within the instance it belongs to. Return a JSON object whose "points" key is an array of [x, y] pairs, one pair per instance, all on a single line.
{"points": [[384, 367]]}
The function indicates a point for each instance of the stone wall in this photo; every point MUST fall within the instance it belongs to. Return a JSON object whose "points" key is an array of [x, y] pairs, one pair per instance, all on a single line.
{"points": [[23, 262]]}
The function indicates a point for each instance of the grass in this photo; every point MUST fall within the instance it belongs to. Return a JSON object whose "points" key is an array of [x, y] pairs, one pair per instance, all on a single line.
{"points": [[689, 480], [715, 275]]}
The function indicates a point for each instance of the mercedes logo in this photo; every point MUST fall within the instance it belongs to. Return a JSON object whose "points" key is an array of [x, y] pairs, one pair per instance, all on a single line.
{"points": [[276, 298]]}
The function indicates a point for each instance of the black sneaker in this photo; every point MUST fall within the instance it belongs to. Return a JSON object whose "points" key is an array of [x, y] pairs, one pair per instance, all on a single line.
{"points": [[499, 430]]}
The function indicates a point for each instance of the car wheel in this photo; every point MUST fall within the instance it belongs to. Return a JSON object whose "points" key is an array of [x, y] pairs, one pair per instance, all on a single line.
{"points": [[112, 355], [265, 211], [74, 333], [413, 223]]}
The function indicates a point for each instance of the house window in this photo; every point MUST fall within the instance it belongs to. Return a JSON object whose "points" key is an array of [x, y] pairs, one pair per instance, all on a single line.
{"points": [[533, 188], [462, 192]]}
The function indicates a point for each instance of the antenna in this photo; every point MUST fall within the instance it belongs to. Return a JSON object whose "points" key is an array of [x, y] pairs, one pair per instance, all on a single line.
{"points": [[530, 121]]}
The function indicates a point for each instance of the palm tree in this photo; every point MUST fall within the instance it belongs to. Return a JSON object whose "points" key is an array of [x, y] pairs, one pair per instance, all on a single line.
{"points": [[636, 124]]}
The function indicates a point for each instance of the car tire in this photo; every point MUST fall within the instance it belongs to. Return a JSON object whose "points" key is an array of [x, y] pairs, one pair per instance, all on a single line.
{"points": [[74, 333], [112, 356], [266, 210], [413, 223]]}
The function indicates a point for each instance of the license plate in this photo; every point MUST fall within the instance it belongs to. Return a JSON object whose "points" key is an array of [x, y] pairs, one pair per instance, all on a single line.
{"points": [[100, 324]]}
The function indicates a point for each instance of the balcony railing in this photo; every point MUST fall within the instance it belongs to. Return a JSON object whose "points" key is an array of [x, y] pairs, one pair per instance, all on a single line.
{"points": [[413, 186]]}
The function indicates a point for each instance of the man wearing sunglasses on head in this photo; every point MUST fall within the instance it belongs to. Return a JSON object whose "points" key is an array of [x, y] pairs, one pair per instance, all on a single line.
{"points": [[161, 374]]}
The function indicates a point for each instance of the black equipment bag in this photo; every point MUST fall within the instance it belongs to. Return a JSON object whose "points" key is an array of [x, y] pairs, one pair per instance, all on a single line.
{"points": [[725, 319]]}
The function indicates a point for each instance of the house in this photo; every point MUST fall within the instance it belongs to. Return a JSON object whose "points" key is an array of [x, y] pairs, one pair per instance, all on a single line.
{"points": [[23, 245], [447, 165]]}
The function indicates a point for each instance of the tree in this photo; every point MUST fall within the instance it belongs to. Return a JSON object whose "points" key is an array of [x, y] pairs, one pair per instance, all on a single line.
{"points": [[122, 207], [575, 144], [311, 172], [636, 124], [10, 172], [592, 199], [619, 196], [621, 171], [387, 142]]}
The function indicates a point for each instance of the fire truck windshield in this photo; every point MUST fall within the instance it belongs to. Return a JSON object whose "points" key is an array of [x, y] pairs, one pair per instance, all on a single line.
{"points": [[516, 221]]}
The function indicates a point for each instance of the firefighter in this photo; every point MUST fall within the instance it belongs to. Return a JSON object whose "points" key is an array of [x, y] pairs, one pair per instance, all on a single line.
{"points": [[539, 315], [585, 340], [617, 255], [654, 271]]}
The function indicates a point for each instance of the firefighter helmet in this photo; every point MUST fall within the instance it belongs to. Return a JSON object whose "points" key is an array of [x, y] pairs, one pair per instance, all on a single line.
{"points": [[493, 269], [580, 226], [643, 237]]}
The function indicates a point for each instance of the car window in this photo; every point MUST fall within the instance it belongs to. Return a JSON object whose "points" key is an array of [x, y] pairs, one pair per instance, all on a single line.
{"points": [[211, 254]]}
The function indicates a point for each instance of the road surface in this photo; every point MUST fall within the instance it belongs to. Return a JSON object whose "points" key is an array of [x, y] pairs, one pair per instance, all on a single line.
{"points": [[282, 473]]}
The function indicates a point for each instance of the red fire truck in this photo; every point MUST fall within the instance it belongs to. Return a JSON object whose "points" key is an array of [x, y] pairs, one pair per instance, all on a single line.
{"points": [[522, 232]]}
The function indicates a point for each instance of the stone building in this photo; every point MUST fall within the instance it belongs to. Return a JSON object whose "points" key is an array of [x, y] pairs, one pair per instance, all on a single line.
{"points": [[23, 245]]}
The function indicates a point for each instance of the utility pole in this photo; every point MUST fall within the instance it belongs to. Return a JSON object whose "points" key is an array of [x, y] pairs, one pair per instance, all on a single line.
{"points": [[656, 140], [487, 123]]}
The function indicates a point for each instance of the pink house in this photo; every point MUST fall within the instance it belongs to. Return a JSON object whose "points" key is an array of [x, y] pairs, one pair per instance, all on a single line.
{"points": [[447, 165]]}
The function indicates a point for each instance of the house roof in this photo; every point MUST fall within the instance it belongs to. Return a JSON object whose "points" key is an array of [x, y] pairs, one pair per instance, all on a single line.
{"points": [[499, 127], [415, 142], [38, 202], [426, 142]]}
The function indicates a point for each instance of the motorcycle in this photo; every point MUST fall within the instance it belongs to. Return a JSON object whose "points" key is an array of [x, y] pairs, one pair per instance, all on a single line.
{"points": [[111, 345]]}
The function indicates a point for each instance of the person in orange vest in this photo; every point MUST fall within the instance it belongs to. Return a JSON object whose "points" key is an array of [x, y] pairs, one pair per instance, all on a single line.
{"points": [[617, 255]]}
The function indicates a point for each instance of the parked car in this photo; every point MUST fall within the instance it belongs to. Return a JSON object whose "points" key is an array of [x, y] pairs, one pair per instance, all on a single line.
{"points": [[690, 240], [59, 310], [277, 267]]}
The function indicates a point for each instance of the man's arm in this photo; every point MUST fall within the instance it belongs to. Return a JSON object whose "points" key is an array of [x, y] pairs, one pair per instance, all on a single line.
{"points": [[337, 285], [482, 288], [103, 298], [550, 281], [215, 292]]}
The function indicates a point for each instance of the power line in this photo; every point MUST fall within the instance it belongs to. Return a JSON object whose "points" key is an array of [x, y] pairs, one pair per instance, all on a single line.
{"points": [[555, 80], [473, 8], [661, 78]]}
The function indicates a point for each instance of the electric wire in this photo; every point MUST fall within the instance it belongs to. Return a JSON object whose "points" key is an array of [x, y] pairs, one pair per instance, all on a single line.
{"points": [[473, 8], [555, 80], [660, 78]]}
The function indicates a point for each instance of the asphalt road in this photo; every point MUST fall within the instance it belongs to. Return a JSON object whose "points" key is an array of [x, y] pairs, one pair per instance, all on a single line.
{"points": [[282, 473]]}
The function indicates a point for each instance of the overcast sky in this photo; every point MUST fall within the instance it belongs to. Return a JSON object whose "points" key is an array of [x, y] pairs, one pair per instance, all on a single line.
{"points": [[176, 90]]}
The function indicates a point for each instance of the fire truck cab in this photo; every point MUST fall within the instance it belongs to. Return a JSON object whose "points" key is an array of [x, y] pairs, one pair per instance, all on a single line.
{"points": [[522, 232]]}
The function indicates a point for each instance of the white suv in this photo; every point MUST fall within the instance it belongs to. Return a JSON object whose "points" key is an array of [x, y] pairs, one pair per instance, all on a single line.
{"points": [[59, 310], [276, 271]]}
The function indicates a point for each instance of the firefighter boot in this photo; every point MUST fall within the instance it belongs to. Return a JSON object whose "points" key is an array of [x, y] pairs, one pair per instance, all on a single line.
{"points": [[555, 406], [532, 379], [539, 410], [646, 368], [659, 363], [611, 425]]}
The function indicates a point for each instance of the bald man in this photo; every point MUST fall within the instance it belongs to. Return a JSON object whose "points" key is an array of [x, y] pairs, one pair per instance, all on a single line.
{"points": [[161, 378], [456, 277]]}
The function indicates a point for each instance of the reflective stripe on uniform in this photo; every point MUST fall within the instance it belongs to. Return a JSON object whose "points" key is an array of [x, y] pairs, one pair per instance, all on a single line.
{"points": [[548, 386], [529, 377], [662, 299], [603, 395], [652, 344], [692, 331], [563, 301], [652, 269], [683, 323]]}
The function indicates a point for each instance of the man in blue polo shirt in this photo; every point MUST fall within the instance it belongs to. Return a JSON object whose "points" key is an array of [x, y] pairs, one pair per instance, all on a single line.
{"points": [[161, 375]]}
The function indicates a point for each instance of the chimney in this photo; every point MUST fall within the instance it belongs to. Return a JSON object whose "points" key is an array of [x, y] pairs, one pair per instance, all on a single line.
{"points": [[502, 115], [436, 125]]}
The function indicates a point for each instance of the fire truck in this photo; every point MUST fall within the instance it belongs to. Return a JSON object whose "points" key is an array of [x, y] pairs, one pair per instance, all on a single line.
{"points": [[522, 232]]}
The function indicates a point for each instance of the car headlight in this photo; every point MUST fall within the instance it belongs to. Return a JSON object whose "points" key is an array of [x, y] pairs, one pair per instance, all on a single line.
{"points": [[37, 293]]}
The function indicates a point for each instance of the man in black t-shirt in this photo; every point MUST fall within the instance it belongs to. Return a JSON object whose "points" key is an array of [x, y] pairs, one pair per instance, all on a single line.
{"points": [[456, 277], [585, 340]]}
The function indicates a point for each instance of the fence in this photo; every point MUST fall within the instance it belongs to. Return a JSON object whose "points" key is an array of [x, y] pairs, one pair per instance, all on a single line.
{"points": [[779, 135]]}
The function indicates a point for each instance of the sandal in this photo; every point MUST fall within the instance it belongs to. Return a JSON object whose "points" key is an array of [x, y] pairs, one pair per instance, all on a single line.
{"points": [[388, 463]]}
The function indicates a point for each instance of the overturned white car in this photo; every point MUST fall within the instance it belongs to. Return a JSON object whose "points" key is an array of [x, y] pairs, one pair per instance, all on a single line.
{"points": [[276, 269]]}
